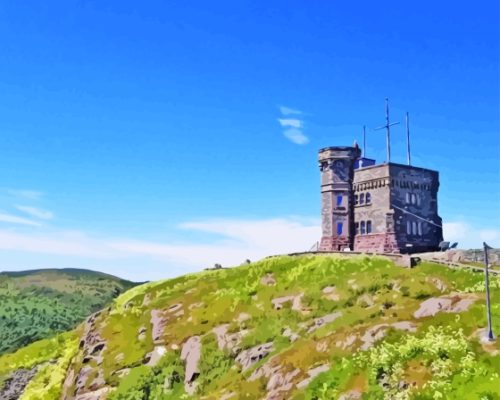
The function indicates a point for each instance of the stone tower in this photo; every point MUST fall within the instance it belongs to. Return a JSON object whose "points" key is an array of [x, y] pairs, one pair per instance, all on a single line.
{"points": [[337, 213]]}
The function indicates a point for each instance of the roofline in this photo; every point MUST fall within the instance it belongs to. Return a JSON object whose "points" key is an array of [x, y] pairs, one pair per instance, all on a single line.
{"points": [[384, 164]]}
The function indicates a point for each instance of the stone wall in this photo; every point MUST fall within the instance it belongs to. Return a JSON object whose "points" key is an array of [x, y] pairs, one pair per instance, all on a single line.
{"points": [[401, 197], [337, 173]]}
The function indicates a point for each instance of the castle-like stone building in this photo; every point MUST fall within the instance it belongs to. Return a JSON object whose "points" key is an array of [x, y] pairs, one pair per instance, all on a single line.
{"points": [[384, 208]]}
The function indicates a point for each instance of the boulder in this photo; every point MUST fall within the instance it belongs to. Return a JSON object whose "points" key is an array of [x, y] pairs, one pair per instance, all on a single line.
{"points": [[190, 354], [249, 357], [159, 322], [321, 321]]}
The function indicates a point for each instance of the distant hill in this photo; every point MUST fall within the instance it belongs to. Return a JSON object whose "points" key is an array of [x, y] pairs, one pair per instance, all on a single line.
{"points": [[37, 304], [291, 327]]}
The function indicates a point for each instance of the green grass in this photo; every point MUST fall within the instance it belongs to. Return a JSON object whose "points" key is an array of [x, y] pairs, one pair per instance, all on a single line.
{"points": [[443, 356]]}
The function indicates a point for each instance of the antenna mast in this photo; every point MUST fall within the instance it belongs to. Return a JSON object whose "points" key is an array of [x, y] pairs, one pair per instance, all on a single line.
{"points": [[364, 141], [408, 137], [387, 127]]}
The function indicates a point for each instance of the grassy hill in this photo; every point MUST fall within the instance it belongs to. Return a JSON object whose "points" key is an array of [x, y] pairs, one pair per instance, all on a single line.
{"points": [[302, 327], [39, 303]]}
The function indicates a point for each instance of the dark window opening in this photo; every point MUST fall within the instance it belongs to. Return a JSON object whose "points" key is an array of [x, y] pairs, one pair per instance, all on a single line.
{"points": [[363, 228], [362, 198], [339, 228], [356, 225], [339, 200], [368, 226], [368, 198]]}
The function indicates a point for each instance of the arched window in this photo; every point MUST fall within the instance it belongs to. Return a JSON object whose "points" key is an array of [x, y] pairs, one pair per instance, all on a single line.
{"points": [[363, 228], [407, 198], [420, 228], [414, 227], [408, 227], [356, 199], [368, 198], [362, 198], [368, 226]]}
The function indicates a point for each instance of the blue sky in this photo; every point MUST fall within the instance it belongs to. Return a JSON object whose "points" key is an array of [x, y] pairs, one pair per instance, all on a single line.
{"points": [[144, 138]]}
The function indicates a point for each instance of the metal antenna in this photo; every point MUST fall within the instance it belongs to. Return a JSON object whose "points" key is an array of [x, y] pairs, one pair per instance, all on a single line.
{"points": [[408, 137], [364, 141], [489, 334], [387, 126]]}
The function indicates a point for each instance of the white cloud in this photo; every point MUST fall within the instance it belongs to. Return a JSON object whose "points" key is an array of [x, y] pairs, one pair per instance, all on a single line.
{"points": [[289, 111], [25, 194], [240, 240], [36, 212], [470, 237], [296, 136], [14, 219], [294, 123]]}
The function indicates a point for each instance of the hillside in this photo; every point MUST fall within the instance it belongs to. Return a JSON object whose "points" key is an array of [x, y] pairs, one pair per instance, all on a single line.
{"points": [[39, 303], [302, 327]]}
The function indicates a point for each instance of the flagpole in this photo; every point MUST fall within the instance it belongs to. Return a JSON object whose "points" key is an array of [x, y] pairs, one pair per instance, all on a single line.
{"points": [[490, 337]]}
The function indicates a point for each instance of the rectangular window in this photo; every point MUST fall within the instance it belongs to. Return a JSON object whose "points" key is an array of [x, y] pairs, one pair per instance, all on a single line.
{"points": [[362, 198], [339, 228], [413, 198], [356, 199], [339, 200], [363, 228], [408, 227], [414, 227], [356, 225], [368, 226], [420, 228]]}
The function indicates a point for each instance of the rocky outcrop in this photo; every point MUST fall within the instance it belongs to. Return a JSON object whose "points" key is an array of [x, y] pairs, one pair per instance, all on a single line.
{"points": [[158, 321], [15, 384], [378, 332], [292, 336], [94, 395], [279, 380], [312, 374], [153, 357], [249, 357], [450, 304], [228, 341], [321, 321], [268, 280], [190, 354], [330, 292], [279, 302]]}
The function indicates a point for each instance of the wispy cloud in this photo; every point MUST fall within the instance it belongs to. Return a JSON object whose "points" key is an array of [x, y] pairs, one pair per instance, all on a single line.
{"points": [[289, 111], [294, 123], [296, 136], [36, 212], [25, 194], [14, 219], [293, 127], [239, 240]]}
